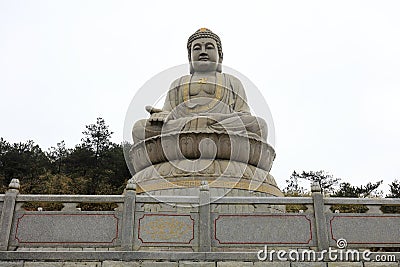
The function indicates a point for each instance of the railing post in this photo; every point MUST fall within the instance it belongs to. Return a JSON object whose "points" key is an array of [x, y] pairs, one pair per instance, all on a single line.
{"points": [[204, 218], [320, 221], [128, 219], [7, 213]]}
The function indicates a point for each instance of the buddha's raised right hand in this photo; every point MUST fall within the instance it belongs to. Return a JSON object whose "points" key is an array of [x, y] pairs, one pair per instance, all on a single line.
{"points": [[157, 115]]}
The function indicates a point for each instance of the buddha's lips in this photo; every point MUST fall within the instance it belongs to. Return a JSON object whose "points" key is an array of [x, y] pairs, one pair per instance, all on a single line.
{"points": [[203, 58]]}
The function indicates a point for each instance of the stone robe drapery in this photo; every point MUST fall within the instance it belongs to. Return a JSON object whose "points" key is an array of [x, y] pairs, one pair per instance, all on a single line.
{"points": [[225, 111], [229, 96]]}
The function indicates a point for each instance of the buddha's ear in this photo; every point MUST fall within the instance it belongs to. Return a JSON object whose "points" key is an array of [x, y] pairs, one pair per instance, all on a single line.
{"points": [[219, 67], [191, 67]]}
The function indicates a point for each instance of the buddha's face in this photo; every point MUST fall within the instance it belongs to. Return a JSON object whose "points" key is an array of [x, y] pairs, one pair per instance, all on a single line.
{"points": [[204, 55]]}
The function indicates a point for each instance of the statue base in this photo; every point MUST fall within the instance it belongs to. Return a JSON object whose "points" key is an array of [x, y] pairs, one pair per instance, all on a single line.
{"points": [[199, 145], [177, 164], [220, 174]]}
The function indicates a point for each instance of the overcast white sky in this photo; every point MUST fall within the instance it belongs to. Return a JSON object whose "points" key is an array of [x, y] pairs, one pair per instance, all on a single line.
{"points": [[329, 71]]}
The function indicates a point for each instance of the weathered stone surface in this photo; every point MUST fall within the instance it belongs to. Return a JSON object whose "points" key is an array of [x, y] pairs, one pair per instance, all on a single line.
{"points": [[345, 264], [45, 227], [120, 264], [42, 249], [218, 173], [75, 249], [11, 263], [272, 264], [23, 249], [82, 264], [166, 229], [196, 264], [257, 229], [7, 215], [356, 229], [381, 264], [227, 147], [159, 264], [216, 168], [101, 249], [234, 264], [43, 264], [308, 264], [89, 249]]}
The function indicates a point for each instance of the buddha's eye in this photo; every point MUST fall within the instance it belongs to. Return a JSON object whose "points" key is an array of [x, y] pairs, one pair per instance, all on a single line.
{"points": [[210, 46], [196, 47]]}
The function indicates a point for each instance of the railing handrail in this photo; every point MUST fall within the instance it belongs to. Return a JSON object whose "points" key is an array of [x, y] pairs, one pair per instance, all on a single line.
{"points": [[361, 201], [129, 203], [195, 199], [71, 198], [167, 199], [261, 200]]}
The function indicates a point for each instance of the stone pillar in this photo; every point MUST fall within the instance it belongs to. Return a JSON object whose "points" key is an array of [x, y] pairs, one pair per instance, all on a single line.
{"points": [[204, 218], [7, 214], [320, 221], [128, 219]]}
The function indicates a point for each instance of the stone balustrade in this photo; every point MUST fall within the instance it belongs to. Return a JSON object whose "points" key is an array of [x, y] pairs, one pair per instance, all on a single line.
{"points": [[186, 228]]}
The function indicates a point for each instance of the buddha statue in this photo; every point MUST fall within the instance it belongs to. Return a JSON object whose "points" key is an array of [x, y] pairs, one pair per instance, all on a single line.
{"points": [[207, 100], [204, 131]]}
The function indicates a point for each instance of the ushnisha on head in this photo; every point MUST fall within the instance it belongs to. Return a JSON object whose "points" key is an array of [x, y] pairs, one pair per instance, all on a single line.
{"points": [[201, 37]]}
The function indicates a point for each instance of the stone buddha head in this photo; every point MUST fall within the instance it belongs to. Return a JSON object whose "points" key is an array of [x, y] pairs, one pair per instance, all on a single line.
{"points": [[204, 51]]}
